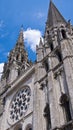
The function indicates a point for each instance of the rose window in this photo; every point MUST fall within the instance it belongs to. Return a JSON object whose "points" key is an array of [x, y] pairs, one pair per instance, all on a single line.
{"points": [[20, 104]]}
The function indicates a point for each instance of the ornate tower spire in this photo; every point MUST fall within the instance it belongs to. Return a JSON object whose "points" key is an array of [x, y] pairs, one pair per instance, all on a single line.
{"points": [[20, 41], [19, 53], [17, 60]]}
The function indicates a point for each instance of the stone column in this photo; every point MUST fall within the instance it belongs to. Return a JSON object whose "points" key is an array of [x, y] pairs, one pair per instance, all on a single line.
{"points": [[54, 93], [51, 100]]}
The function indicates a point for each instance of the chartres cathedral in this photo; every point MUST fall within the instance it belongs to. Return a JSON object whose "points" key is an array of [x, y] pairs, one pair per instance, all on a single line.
{"points": [[39, 96]]}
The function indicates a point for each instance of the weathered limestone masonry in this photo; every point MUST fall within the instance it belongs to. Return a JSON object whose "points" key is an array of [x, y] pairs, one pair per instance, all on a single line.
{"points": [[67, 53], [39, 96]]}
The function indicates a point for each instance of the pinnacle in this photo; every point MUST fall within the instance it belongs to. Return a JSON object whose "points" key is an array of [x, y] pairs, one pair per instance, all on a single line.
{"points": [[22, 28], [20, 37], [40, 43]]}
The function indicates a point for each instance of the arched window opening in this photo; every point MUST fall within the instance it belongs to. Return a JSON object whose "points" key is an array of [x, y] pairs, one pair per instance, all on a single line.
{"points": [[67, 111], [58, 36], [64, 100], [29, 127], [4, 101], [18, 127], [46, 65], [63, 34], [47, 31], [18, 72], [47, 116], [17, 57], [59, 56], [51, 46], [10, 58], [7, 74], [22, 58]]}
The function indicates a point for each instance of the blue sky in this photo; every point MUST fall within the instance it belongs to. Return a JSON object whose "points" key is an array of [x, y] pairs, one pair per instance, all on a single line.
{"points": [[32, 14]]}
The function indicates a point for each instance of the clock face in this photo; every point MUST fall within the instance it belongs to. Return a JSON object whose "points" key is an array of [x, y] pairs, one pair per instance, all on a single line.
{"points": [[20, 104]]}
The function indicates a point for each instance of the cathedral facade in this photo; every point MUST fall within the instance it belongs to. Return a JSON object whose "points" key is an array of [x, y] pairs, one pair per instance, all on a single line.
{"points": [[39, 96]]}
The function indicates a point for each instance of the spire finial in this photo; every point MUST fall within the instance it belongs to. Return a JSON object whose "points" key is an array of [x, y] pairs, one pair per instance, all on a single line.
{"points": [[22, 27]]}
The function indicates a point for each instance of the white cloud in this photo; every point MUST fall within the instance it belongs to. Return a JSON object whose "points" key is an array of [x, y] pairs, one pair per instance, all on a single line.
{"points": [[1, 23], [40, 15], [1, 68], [32, 38]]}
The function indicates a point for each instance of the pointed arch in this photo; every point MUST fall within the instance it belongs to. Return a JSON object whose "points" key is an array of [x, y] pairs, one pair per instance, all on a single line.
{"points": [[58, 55], [51, 46], [28, 127], [63, 34], [18, 127]]}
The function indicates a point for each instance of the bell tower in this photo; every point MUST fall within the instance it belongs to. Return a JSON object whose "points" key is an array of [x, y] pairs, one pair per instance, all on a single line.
{"points": [[17, 60], [55, 63]]}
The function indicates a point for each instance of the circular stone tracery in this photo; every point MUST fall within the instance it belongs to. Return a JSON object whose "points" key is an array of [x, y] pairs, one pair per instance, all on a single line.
{"points": [[20, 104]]}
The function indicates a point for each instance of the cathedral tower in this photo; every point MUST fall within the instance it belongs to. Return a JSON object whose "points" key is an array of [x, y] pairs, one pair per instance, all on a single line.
{"points": [[17, 60], [54, 77]]}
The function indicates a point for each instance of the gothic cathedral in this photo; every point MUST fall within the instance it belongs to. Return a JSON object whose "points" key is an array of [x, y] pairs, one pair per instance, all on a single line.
{"points": [[39, 96]]}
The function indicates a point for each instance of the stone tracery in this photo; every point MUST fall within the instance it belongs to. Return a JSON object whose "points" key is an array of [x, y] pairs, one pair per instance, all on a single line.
{"points": [[20, 104]]}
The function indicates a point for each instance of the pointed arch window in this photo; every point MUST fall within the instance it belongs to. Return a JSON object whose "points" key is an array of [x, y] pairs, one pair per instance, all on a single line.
{"points": [[7, 74], [22, 58], [47, 116], [29, 127], [63, 34], [51, 46], [18, 127], [17, 57], [19, 72], [64, 100], [59, 56], [46, 65]]}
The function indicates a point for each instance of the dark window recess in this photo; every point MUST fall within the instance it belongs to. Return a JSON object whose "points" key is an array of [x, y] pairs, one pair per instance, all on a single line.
{"points": [[17, 57], [64, 100], [9, 58], [22, 58], [46, 65], [18, 72], [7, 73], [20, 129], [51, 46], [59, 56], [47, 31], [4, 101], [63, 34], [58, 37], [29, 127], [47, 116], [67, 111]]}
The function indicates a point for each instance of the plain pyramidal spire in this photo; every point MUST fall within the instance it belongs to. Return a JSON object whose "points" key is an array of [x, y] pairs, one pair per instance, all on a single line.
{"points": [[54, 16]]}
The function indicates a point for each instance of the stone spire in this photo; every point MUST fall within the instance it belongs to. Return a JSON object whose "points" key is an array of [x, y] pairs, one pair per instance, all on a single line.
{"points": [[54, 16], [20, 41], [17, 60], [19, 53]]}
